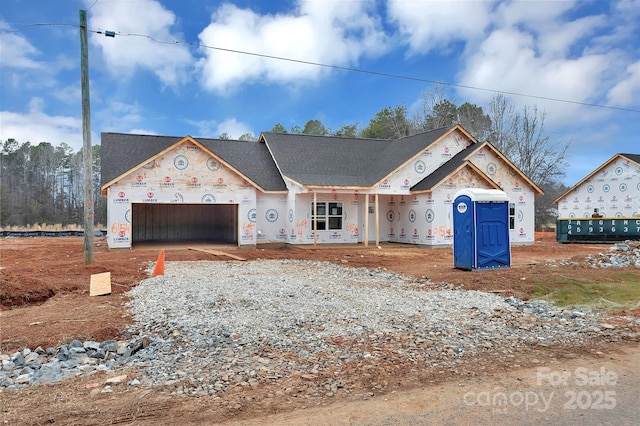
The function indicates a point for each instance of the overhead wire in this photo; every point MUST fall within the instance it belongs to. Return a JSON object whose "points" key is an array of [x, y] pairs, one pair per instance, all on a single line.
{"points": [[378, 73], [343, 68], [94, 3]]}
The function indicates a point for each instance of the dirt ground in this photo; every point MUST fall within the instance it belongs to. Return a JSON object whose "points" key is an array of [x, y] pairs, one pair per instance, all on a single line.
{"points": [[45, 302]]}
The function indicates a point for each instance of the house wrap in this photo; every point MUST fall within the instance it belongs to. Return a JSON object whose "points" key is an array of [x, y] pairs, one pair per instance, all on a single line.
{"points": [[302, 189], [612, 190]]}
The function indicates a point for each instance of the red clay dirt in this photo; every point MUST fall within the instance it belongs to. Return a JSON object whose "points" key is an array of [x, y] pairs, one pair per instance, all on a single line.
{"points": [[45, 301]]}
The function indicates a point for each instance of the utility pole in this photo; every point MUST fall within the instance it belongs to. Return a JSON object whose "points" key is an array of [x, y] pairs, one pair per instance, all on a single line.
{"points": [[87, 155]]}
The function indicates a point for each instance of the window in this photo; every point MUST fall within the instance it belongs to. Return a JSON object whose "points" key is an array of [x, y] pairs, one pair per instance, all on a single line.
{"points": [[329, 216], [512, 215]]}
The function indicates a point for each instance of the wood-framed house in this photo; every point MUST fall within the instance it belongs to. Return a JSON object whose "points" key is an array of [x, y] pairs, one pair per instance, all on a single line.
{"points": [[302, 189]]}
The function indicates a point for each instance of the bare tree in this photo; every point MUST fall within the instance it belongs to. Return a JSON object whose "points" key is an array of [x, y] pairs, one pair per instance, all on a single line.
{"points": [[437, 111], [501, 112], [431, 98], [522, 138]]}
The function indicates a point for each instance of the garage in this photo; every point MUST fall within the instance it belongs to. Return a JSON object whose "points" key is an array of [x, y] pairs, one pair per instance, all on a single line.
{"points": [[213, 223]]}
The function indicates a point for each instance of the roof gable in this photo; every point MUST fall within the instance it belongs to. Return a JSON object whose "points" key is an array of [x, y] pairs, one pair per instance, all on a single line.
{"points": [[517, 171], [458, 161], [402, 151], [438, 178], [635, 158], [123, 153], [449, 168]]}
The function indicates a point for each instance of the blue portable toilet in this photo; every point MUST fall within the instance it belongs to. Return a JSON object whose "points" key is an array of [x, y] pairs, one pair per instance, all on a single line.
{"points": [[481, 229]]}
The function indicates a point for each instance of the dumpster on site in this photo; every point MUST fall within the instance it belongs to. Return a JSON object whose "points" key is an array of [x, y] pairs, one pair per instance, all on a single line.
{"points": [[597, 230], [481, 229]]}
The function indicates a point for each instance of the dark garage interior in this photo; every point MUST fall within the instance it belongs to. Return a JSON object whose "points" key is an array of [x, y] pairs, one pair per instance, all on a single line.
{"points": [[212, 223]]}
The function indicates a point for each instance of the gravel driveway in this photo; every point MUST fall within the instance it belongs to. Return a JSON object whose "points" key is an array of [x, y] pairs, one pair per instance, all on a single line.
{"points": [[213, 325]]}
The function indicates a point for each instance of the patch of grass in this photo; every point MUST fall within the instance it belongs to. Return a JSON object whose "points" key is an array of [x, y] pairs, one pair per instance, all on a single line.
{"points": [[620, 290]]}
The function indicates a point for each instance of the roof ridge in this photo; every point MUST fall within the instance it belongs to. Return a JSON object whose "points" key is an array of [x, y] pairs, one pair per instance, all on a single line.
{"points": [[425, 132], [326, 136]]}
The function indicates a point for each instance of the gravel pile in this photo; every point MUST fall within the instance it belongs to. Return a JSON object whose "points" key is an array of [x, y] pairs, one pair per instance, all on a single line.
{"points": [[621, 255], [26, 367], [205, 327]]}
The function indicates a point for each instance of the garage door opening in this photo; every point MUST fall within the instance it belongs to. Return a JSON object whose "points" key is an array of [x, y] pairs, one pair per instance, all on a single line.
{"points": [[211, 223]]}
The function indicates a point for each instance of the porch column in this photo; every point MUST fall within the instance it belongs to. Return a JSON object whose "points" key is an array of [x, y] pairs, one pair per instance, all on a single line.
{"points": [[377, 209], [366, 220], [314, 212]]}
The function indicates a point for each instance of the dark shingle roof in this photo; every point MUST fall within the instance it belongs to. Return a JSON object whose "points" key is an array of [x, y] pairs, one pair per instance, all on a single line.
{"points": [[340, 161], [322, 160], [251, 158], [307, 159], [633, 157], [121, 152]]}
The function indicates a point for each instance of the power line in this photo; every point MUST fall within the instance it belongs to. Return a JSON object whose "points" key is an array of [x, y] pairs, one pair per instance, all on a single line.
{"points": [[344, 68], [94, 3], [378, 73], [3, 30]]}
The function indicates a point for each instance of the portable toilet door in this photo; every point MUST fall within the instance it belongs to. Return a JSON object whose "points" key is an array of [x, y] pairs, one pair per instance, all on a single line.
{"points": [[481, 229], [463, 232]]}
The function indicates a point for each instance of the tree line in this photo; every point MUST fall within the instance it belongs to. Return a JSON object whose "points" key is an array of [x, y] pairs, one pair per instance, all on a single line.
{"points": [[44, 183]]}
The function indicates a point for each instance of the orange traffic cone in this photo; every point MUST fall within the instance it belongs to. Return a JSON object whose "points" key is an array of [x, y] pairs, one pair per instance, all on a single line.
{"points": [[159, 268]]}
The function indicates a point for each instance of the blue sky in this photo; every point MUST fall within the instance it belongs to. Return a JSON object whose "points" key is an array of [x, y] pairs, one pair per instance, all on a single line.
{"points": [[580, 51]]}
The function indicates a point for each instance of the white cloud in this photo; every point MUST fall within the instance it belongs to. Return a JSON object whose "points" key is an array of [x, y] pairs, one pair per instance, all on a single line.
{"points": [[25, 66], [532, 49], [17, 51], [205, 128], [335, 33], [537, 48], [142, 131], [70, 94], [126, 53], [629, 8], [35, 126], [532, 15], [213, 128], [508, 60], [627, 91], [433, 25], [559, 40], [233, 128], [117, 116]]}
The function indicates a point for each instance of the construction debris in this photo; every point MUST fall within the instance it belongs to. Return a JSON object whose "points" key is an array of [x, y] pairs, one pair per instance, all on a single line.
{"points": [[621, 255]]}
